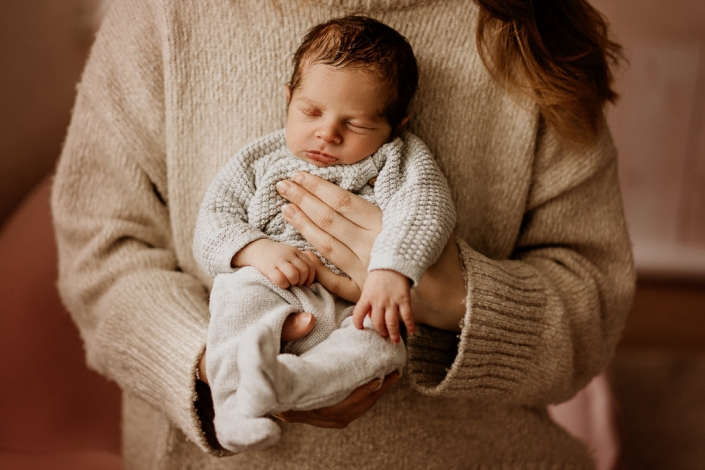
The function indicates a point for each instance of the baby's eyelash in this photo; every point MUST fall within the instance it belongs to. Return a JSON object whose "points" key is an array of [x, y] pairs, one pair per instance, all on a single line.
{"points": [[359, 127]]}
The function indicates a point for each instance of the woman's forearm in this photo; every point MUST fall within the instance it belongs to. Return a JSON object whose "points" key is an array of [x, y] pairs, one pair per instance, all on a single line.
{"points": [[439, 298]]}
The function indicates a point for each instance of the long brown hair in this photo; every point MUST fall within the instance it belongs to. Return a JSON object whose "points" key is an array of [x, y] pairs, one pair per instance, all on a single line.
{"points": [[558, 52]]}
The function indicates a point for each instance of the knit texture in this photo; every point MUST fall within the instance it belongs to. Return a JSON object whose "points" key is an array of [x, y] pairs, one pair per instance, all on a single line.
{"points": [[250, 380], [242, 204], [174, 88]]}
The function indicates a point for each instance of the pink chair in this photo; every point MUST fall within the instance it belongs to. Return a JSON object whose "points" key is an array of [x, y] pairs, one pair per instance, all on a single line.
{"points": [[590, 416], [58, 414]]}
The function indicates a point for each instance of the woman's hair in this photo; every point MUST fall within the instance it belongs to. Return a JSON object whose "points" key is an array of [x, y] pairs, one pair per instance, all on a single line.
{"points": [[557, 51], [364, 43]]}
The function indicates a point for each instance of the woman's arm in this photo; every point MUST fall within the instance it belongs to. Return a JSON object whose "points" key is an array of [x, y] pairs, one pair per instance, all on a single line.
{"points": [[143, 321], [535, 327]]}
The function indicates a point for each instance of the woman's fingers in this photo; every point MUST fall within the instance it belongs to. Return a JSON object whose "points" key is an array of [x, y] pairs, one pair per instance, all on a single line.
{"points": [[340, 415], [331, 248], [341, 286], [352, 207], [361, 399], [330, 216]]}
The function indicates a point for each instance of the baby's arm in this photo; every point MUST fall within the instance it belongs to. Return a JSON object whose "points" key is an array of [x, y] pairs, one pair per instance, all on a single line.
{"points": [[385, 297], [283, 264]]}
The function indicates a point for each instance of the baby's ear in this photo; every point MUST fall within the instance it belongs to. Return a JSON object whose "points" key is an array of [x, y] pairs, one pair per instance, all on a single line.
{"points": [[287, 90], [401, 125]]}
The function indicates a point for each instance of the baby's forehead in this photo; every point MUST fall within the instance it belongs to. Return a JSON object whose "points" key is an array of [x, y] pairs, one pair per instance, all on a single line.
{"points": [[371, 70], [384, 87]]}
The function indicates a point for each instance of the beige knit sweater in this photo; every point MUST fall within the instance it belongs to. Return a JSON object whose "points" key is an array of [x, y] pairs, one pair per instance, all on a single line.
{"points": [[173, 88]]}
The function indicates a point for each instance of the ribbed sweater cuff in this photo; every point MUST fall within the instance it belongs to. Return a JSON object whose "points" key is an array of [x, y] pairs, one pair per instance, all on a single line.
{"points": [[151, 342], [500, 331]]}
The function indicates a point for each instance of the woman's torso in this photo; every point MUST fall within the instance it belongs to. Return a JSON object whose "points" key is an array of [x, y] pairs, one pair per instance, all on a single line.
{"points": [[226, 64]]}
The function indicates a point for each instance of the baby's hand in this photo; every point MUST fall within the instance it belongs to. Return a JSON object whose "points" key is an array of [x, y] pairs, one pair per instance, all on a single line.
{"points": [[385, 297], [283, 264]]}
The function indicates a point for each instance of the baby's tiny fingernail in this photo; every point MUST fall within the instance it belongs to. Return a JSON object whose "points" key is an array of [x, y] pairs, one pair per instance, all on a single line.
{"points": [[298, 178]]}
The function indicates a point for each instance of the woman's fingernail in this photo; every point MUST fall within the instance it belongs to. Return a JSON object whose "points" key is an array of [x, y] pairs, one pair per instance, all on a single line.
{"points": [[288, 211], [374, 386], [298, 178], [283, 186]]}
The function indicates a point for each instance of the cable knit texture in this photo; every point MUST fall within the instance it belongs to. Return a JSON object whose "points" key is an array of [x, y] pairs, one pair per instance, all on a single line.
{"points": [[242, 204], [174, 88]]}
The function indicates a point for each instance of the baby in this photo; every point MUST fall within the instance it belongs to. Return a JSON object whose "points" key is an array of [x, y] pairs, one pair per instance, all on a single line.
{"points": [[347, 101]]}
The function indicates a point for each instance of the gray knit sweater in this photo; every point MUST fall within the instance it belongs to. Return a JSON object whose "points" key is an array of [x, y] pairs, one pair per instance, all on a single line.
{"points": [[174, 88], [242, 204]]}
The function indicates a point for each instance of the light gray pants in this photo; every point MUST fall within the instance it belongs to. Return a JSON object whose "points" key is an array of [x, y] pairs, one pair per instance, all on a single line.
{"points": [[249, 377]]}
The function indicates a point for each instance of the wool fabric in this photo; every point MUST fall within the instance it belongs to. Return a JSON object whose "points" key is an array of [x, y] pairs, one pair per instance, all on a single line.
{"points": [[173, 89]]}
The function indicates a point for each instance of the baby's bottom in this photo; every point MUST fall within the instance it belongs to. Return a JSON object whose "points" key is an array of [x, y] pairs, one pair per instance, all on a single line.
{"points": [[250, 379]]}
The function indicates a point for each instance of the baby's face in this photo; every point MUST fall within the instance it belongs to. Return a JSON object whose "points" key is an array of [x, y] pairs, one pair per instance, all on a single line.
{"points": [[335, 116]]}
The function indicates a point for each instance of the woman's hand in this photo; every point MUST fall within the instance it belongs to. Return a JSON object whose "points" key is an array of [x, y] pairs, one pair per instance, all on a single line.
{"points": [[343, 227], [339, 224], [339, 416], [296, 326]]}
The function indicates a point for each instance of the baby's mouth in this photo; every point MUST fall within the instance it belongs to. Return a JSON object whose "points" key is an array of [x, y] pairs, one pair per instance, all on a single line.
{"points": [[322, 157]]}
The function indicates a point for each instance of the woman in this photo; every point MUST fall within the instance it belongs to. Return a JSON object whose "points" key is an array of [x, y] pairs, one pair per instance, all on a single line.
{"points": [[521, 312]]}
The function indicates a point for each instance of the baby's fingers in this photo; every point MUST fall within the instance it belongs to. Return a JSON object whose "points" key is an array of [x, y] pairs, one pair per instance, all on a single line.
{"points": [[278, 278], [407, 317], [310, 265], [359, 313], [290, 272], [391, 319], [378, 320], [302, 269]]}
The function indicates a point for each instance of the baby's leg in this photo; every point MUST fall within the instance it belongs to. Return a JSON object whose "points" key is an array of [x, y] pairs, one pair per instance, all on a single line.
{"points": [[320, 377], [239, 300], [250, 379]]}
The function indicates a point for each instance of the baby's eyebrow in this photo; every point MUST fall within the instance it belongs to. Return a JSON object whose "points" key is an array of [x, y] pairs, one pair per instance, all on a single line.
{"points": [[375, 118], [309, 101]]}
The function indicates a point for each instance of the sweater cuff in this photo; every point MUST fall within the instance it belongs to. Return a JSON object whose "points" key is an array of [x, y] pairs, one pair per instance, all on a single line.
{"points": [[152, 348], [400, 265], [500, 331]]}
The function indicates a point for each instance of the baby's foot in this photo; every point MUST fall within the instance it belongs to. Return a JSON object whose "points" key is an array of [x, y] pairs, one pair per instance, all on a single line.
{"points": [[258, 366], [250, 428], [242, 433]]}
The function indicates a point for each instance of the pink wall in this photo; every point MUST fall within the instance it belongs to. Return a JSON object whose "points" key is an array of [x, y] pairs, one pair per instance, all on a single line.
{"points": [[42, 49], [659, 128]]}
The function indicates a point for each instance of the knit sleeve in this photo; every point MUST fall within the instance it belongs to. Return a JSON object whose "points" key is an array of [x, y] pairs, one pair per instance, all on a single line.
{"points": [[540, 325], [418, 212], [222, 228], [142, 320]]}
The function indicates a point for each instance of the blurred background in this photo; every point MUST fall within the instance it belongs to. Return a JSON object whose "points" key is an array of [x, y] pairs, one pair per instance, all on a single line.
{"points": [[658, 374]]}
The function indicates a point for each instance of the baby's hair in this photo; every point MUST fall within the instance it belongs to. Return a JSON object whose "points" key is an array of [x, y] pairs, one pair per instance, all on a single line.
{"points": [[364, 43]]}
